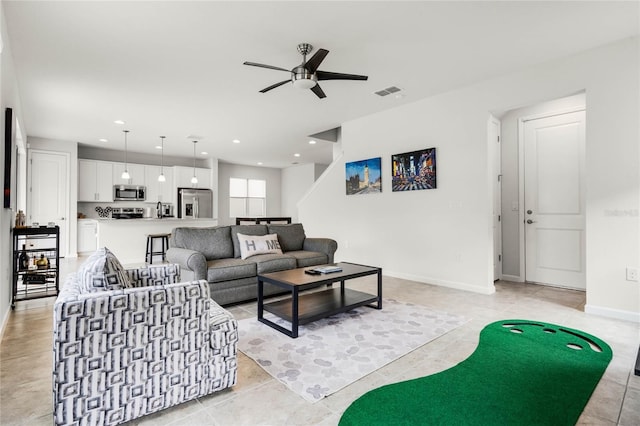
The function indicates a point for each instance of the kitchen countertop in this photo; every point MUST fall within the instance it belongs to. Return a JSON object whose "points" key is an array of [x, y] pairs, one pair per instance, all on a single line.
{"points": [[127, 238]]}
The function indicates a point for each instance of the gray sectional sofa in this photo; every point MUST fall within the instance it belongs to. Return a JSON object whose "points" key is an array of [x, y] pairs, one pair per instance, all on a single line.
{"points": [[216, 255]]}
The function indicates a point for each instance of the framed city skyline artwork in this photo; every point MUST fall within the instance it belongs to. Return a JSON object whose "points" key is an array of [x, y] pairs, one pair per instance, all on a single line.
{"points": [[363, 177], [413, 171]]}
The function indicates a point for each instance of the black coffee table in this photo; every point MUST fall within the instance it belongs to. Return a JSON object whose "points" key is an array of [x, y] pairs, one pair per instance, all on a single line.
{"points": [[306, 308]]}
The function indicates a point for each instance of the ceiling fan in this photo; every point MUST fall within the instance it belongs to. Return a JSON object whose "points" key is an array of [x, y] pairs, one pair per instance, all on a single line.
{"points": [[306, 75]]}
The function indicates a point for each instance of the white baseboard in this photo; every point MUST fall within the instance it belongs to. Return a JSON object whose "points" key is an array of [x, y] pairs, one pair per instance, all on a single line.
{"points": [[451, 284], [613, 313], [514, 278]]}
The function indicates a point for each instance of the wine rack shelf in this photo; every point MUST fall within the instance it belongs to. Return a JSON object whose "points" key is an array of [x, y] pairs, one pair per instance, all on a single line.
{"points": [[36, 261]]}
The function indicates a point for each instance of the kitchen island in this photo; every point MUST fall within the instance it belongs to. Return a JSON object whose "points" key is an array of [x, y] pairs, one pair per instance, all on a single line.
{"points": [[127, 238]]}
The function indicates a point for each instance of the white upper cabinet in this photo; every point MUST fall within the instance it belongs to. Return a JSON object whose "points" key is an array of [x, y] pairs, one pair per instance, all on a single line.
{"points": [[94, 181], [159, 191], [136, 172]]}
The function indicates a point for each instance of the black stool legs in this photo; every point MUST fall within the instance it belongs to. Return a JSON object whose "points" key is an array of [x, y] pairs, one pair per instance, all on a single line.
{"points": [[164, 243]]}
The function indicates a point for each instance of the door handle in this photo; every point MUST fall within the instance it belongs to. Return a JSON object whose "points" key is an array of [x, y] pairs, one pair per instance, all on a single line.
{"points": [[529, 221]]}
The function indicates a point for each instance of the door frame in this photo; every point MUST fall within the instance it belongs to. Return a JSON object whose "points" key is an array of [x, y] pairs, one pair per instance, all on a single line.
{"points": [[67, 206], [521, 212], [495, 152]]}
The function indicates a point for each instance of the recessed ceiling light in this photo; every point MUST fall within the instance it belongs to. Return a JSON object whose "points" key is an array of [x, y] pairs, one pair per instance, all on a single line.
{"points": [[158, 147], [204, 153], [120, 122], [296, 155], [236, 141], [259, 163], [312, 142], [103, 140]]}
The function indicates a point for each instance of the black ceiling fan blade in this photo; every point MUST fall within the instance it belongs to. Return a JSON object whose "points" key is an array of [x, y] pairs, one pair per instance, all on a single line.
{"points": [[312, 64], [273, 86], [318, 91], [255, 64], [327, 75]]}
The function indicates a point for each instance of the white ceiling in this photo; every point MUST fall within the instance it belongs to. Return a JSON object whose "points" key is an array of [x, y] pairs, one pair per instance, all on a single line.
{"points": [[176, 68]]}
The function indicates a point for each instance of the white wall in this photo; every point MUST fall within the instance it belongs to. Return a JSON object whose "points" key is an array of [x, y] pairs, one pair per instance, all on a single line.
{"points": [[443, 236], [9, 99], [272, 176], [510, 175], [296, 181]]}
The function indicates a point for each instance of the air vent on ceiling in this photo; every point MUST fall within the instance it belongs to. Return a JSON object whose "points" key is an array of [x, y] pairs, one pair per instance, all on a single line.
{"points": [[387, 91]]}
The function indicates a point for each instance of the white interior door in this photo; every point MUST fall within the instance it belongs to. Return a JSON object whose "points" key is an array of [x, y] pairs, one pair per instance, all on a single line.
{"points": [[555, 200], [49, 199], [495, 151]]}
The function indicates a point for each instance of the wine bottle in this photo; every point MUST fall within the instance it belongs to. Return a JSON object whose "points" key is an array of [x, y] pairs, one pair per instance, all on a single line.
{"points": [[23, 260]]}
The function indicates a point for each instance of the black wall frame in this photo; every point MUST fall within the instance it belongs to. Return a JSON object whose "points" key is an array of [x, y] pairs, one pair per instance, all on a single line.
{"points": [[8, 144]]}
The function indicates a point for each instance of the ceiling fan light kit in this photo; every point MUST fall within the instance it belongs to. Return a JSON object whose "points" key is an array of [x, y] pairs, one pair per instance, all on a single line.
{"points": [[306, 75]]}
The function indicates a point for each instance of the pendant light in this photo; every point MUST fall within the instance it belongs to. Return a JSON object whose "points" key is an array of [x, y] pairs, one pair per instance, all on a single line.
{"points": [[194, 179], [125, 174], [161, 178]]}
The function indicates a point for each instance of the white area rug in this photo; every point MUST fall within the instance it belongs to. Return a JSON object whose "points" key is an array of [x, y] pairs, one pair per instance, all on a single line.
{"points": [[331, 353]]}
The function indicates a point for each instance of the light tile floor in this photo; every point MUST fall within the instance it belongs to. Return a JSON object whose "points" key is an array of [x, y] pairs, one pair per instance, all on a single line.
{"points": [[259, 399]]}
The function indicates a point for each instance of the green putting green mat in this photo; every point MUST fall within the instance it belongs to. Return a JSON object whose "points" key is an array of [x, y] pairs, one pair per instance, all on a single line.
{"points": [[522, 373]]}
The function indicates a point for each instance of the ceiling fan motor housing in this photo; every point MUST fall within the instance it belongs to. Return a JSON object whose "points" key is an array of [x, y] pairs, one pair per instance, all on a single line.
{"points": [[302, 78]]}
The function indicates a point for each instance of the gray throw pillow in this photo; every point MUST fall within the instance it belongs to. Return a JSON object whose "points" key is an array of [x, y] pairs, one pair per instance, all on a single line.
{"points": [[291, 236], [102, 271]]}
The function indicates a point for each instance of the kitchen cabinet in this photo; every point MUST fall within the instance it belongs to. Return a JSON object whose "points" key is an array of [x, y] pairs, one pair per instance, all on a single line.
{"points": [[136, 173], [182, 176], [159, 191], [35, 263], [87, 236], [95, 181]]}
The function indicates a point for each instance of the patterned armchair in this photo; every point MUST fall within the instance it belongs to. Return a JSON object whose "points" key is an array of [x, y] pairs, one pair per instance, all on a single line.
{"points": [[121, 354]]}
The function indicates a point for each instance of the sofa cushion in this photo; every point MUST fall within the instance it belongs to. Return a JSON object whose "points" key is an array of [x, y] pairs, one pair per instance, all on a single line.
{"points": [[102, 271], [230, 269], [251, 245], [291, 236], [213, 243], [274, 262], [306, 258], [246, 230]]}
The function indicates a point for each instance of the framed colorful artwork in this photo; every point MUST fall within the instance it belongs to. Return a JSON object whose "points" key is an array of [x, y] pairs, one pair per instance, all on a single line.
{"points": [[413, 171]]}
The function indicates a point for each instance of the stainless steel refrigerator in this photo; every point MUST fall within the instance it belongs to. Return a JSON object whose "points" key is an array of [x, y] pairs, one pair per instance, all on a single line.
{"points": [[195, 203]]}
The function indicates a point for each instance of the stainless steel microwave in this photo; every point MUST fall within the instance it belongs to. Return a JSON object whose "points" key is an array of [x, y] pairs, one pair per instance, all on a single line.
{"points": [[129, 193]]}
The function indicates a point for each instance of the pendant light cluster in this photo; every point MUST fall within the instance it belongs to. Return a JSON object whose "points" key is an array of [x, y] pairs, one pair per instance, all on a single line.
{"points": [[126, 176]]}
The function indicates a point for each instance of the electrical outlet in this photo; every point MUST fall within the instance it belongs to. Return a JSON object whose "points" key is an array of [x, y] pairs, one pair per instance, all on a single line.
{"points": [[632, 274]]}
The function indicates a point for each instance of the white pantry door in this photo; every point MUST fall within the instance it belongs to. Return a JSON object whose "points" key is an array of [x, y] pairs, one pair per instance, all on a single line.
{"points": [[49, 172], [555, 200]]}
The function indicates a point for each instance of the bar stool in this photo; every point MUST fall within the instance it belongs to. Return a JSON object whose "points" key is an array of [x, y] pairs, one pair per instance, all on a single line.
{"points": [[164, 244]]}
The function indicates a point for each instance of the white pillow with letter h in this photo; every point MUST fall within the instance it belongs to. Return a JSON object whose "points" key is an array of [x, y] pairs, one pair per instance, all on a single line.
{"points": [[250, 245]]}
